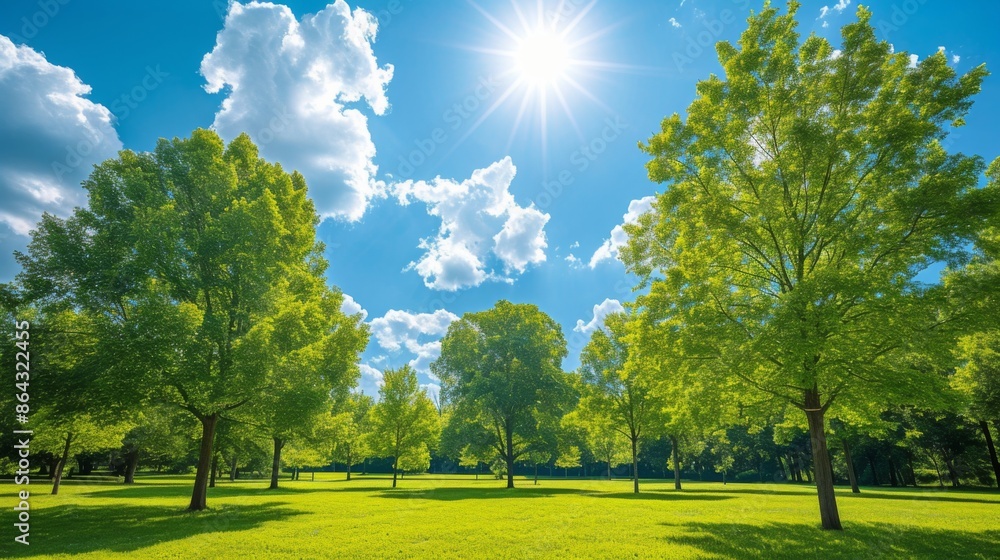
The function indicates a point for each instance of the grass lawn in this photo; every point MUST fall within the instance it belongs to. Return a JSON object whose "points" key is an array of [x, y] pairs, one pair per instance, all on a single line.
{"points": [[459, 517]]}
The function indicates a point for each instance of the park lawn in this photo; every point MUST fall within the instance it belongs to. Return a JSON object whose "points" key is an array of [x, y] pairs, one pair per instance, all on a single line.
{"points": [[458, 517]]}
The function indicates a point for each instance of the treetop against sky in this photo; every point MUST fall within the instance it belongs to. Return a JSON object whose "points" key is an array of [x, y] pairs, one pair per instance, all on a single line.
{"points": [[458, 153]]}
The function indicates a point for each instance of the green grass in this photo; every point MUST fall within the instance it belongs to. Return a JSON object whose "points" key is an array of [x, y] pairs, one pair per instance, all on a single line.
{"points": [[459, 517]]}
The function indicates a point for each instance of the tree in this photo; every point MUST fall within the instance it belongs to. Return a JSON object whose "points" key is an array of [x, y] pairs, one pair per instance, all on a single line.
{"points": [[979, 380], [606, 443], [404, 421], [568, 458], [807, 189], [501, 369], [156, 437], [66, 436], [353, 431], [621, 384], [183, 250]]}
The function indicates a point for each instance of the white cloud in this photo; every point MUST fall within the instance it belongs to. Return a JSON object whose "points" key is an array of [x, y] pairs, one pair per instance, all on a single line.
{"points": [[675, 23], [291, 84], [826, 24], [372, 374], [574, 261], [839, 7], [574, 245], [418, 334], [480, 223], [351, 307], [955, 59], [601, 310], [913, 60], [433, 391], [51, 136], [609, 249]]}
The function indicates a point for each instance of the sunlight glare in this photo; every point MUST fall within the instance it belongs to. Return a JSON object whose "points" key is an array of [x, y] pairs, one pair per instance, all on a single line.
{"points": [[542, 57]]}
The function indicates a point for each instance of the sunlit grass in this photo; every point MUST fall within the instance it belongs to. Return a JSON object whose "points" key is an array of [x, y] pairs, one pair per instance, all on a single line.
{"points": [[459, 517]]}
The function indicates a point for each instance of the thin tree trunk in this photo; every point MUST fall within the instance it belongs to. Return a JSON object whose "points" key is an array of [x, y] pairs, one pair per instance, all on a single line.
{"points": [[829, 515], [232, 469], [677, 464], [199, 496], [781, 464], [909, 465], [395, 464], [985, 427], [132, 458], [536, 474], [851, 475], [215, 467], [635, 467], [57, 479], [892, 472], [348, 470], [276, 463], [871, 465], [952, 472], [510, 455]]}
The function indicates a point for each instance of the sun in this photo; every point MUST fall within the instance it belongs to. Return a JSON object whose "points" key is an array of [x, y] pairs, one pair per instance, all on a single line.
{"points": [[542, 57]]}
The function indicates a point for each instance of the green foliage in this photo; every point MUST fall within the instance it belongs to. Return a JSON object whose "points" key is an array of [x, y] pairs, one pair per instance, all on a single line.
{"points": [[404, 421]]}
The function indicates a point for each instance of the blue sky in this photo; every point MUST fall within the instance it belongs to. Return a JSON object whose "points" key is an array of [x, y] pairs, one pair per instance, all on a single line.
{"points": [[372, 121]]}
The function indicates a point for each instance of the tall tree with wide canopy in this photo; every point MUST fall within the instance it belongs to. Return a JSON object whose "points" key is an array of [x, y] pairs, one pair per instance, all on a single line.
{"points": [[183, 248], [502, 371], [806, 189]]}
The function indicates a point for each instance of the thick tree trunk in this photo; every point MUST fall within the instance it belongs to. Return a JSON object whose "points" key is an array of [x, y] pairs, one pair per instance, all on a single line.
{"points": [[674, 454], [952, 472], [57, 478], [829, 515], [276, 462], [985, 427], [131, 463], [215, 468], [395, 464], [635, 466], [851, 475], [199, 496]]}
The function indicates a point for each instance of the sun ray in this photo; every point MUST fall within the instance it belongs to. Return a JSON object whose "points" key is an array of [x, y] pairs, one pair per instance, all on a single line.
{"points": [[499, 25], [496, 105], [568, 111], [517, 122]]}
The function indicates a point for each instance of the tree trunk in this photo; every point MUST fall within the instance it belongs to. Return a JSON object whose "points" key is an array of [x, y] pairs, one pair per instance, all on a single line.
{"points": [[871, 465], [985, 427], [952, 472], [677, 464], [199, 496], [232, 469], [510, 455], [635, 467], [132, 462], [348, 470], [851, 475], [892, 472], [57, 478], [276, 463], [609, 469], [909, 466], [781, 464], [536, 474], [395, 464], [829, 515], [215, 467]]}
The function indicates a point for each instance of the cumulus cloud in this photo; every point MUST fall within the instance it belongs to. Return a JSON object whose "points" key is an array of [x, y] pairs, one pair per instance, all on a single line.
{"points": [[417, 334], [674, 22], [482, 228], [372, 374], [351, 307], [914, 59], [51, 136], [601, 310], [294, 86], [611, 246]]}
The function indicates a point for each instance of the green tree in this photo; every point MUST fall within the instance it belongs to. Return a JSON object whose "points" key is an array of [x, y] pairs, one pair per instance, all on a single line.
{"points": [[620, 383], [979, 380], [807, 189], [352, 436], [183, 250], [604, 440], [501, 369], [568, 458], [404, 421]]}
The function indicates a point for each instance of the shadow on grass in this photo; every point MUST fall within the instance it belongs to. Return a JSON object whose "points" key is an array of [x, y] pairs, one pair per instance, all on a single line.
{"points": [[71, 529], [527, 492], [859, 540], [184, 491], [879, 493]]}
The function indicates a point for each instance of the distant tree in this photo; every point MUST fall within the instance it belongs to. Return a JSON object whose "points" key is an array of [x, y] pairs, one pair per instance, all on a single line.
{"points": [[620, 382], [807, 188], [352, 434], [568, 458], [501, 369], [157, 437], [404, 420], [979, 380], [606, 443], [66, 436]]}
